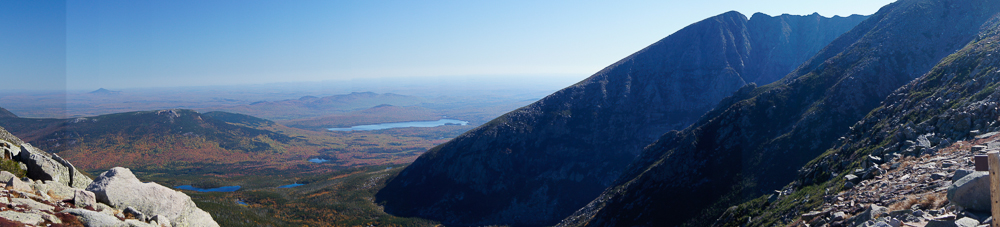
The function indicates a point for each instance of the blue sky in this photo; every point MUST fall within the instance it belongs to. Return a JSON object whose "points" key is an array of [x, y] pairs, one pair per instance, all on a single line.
{"points": [[85, 45]]}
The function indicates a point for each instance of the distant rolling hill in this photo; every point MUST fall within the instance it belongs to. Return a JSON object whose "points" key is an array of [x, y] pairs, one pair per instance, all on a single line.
{"points": [[311, 106], [147, 139], [375, 115], [215, 142]]}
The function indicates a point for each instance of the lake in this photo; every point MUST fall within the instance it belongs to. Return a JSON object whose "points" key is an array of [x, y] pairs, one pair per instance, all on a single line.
{"points": [[219, 189], [290, 185], [318, 160], [421, 124]]}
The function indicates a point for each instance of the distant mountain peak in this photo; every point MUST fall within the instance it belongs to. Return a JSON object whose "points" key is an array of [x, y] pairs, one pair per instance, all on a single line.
{"points": [[103, 91]]}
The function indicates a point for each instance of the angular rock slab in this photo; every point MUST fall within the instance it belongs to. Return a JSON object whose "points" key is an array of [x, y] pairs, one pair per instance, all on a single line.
{"points": [[18, 185], [120, 188], [6, 176], [26, 218], [50, 167], [971, 191], [84, 199]]}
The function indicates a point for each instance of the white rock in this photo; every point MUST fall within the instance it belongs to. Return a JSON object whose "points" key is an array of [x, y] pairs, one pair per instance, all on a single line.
{"points": [[161, 221], [6, 176], [32, 204], [92, 218], [26, 218], [18, 185], [967, 222], [84, 198], [119, 188]]}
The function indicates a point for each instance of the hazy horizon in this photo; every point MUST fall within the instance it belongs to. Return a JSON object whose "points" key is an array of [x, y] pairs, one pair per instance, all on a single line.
{"points": [[76, 45]]}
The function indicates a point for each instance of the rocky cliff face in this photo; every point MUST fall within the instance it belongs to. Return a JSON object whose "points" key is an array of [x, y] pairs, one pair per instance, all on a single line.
{"points": [[537, 164], [753, 142]]}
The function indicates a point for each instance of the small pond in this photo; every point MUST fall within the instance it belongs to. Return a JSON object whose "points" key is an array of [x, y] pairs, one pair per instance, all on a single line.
{"points": [[318, 160], [290, 185], [219, 189], [422, 124]]}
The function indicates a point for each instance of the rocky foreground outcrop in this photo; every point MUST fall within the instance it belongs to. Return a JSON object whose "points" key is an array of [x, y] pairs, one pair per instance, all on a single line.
{"points": [[54, 192]]}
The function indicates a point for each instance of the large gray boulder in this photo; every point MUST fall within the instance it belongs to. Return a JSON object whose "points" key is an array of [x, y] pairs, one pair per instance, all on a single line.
{"points": [[50, 167], [971, 191], [119, 188]]}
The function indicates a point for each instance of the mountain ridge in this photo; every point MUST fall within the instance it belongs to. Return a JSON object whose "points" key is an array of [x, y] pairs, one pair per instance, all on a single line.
{"points": [[954, 104], [539, 163], [312, 106], [6, 113], [754, 140]]}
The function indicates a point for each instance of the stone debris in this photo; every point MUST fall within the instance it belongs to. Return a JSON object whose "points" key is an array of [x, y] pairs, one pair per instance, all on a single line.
{"points": [[932, 189]]}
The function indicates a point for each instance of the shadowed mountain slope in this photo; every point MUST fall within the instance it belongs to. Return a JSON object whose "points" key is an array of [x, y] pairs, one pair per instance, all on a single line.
{"points": [[6, 113], [537, 164], [956, 101], [755, 141]]}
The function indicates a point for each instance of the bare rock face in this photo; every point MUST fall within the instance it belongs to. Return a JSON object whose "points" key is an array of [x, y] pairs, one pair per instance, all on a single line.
{"points": [[120, 189], [50, 167]]}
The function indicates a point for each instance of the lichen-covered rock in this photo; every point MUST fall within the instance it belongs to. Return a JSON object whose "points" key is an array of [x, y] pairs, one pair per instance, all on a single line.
{"points": [[972, 191], [119, 188], [83, 199], [50, 167], [18, 185], [6, 176], [57, 190], [31, 204], [26, 218]]}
